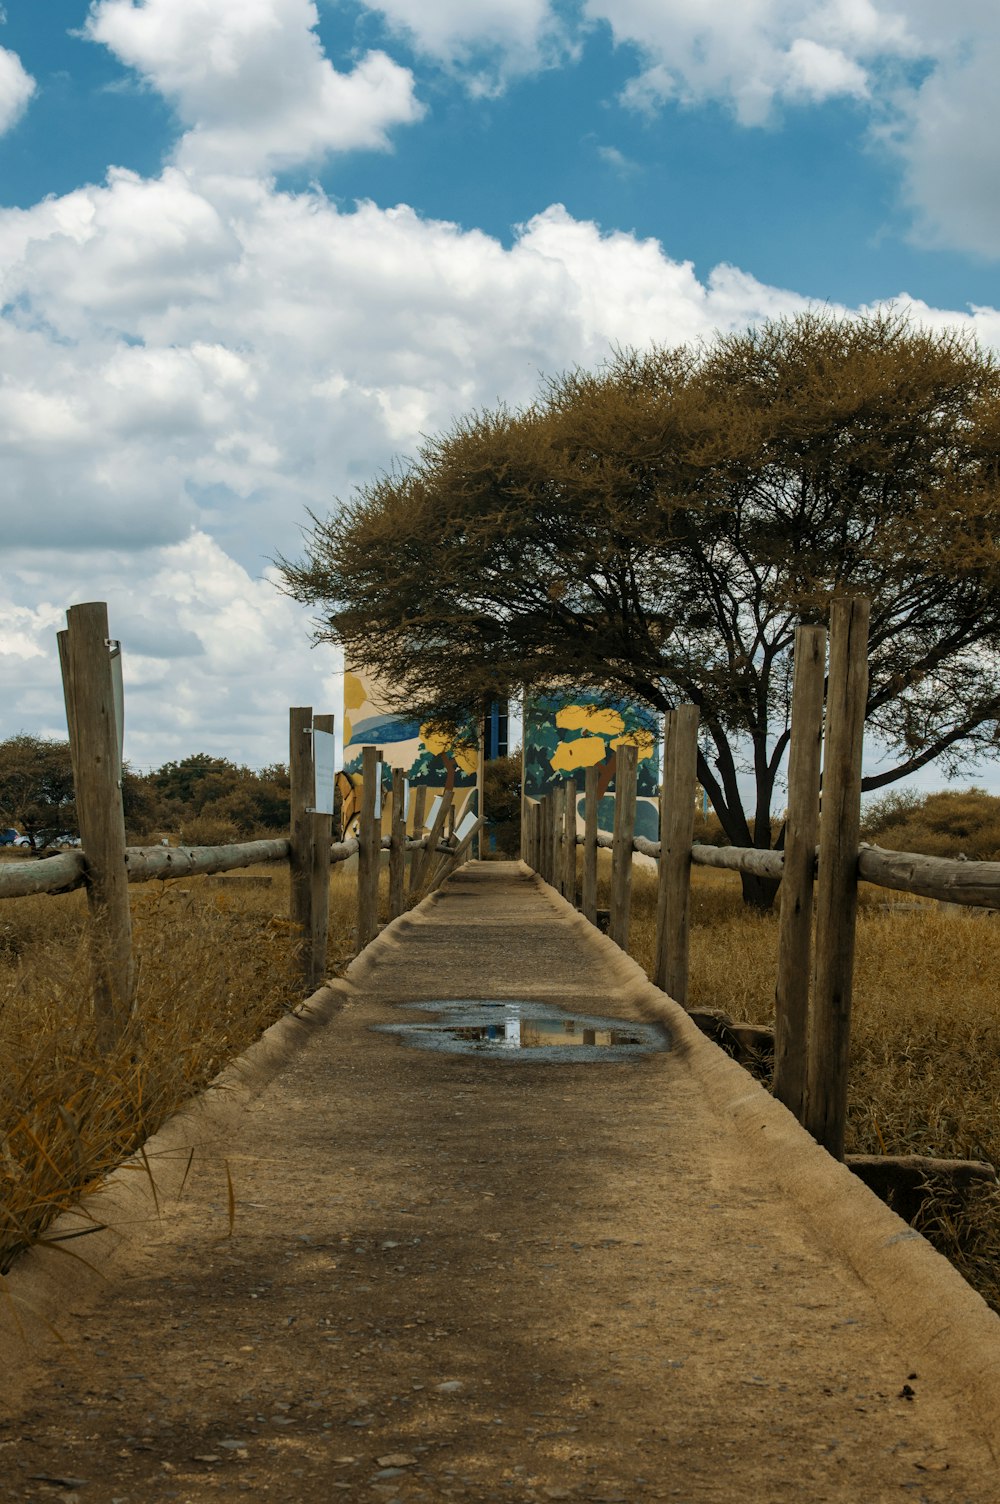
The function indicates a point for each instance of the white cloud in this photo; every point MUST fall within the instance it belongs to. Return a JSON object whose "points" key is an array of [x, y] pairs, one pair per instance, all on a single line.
{"points": [[190, 361], [946, 136], [16, 88], [250, 82], [753, 54], [491, 40]]}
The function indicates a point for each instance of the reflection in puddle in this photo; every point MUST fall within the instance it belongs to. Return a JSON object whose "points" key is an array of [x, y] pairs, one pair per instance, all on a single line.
{"points": [[505, 1028]]}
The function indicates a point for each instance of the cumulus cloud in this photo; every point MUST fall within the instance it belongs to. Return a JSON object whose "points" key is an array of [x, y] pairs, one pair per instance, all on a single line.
{"points": [[491, 41], [16, 88], [250, 82], [192, 360]]}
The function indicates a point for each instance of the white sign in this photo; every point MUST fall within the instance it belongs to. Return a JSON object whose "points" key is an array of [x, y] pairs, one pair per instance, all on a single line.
{"points": [[118, 695], [378, 790], [467, 825], [325, 769], [432, 813]]}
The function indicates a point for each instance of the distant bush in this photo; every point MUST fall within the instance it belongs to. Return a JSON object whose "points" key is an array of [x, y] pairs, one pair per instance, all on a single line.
{"points": [[209, 830], [949, 823]]}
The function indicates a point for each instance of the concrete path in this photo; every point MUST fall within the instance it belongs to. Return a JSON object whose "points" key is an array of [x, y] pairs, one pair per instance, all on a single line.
{"points": [[442, 1277]]}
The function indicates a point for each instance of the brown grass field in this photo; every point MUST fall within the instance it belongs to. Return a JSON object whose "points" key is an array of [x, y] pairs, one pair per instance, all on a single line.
{"points": [[215, 969]]}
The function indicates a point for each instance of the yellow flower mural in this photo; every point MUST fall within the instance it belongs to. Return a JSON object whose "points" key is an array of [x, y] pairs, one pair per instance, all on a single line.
{"points": [[599, 719], [644, 741], [585, 752]]}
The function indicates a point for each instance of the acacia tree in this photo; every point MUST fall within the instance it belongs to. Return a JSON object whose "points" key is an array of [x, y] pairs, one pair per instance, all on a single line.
{"points": [[659, 527], [36, 787]]}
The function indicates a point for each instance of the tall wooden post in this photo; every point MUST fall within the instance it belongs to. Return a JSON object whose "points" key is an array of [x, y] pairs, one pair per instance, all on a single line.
{"points": [[417, 827], [569, 837], [558, 820], [84, 651], [837, 888], [397, 843], [319, 879], [529, 834], [428, 858], [673, 909], [369, 847], [545, 838], [301, 777], [621, 850], [475, 849], [791, 994], [588, 897]]}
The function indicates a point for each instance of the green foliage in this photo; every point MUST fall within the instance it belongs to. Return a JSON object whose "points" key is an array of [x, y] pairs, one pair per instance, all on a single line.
{"points": [[502, 803], [658, 528], [36, 788], [950, 823], [218, 790]]}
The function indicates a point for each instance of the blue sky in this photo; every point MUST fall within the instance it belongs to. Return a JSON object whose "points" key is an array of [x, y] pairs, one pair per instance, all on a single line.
{"points": [[252, 249]]}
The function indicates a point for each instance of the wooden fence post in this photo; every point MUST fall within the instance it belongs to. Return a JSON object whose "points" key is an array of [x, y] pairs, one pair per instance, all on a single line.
{"points": [[90, 715], [397, 843], [319, 880], [558, 820], [529, 839], [837, 888], [545, 839], [369, 847], [569, 837], [791, 993], [673, 906], [588, 897], [417, 827], [429, 855], [301, 779], [621, 850]]}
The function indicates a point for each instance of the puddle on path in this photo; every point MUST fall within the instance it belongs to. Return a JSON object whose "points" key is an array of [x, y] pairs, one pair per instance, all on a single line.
{"points": [[514, 1029]]}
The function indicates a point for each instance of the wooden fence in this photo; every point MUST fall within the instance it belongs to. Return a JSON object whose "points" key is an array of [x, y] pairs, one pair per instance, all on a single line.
{"points": [[819, 868], [105, 865]]}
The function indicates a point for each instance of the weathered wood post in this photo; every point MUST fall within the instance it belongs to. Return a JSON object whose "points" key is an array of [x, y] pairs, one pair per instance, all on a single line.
{"points": [[569, 837], [529, 839], [88, 686], [417, 827], [369, 847], [397, 843], [791, 993], [621, 850], [545, 838], [558, 820], [673, 907], [837, 887], [319, 880], [429, 855], [588, 897], [301, 777]]}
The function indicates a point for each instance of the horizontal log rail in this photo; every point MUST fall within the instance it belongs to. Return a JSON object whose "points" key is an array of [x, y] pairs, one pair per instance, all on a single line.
{"points": [[973, 884], [976, 884], [68, 870]]}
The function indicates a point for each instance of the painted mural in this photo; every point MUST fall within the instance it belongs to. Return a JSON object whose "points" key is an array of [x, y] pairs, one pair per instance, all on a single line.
{"points": [[568, 731], [431, 761]]}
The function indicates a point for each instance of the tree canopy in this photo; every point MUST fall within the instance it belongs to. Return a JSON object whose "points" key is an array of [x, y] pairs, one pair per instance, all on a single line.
{"points": [[659, 527]]}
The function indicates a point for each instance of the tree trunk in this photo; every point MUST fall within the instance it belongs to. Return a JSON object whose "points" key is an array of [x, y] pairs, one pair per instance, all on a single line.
{"points": [[759, 893]]}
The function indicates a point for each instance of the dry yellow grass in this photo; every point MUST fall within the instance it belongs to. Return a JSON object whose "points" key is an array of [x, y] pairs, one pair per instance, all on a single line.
{"points": [[214, 968]]}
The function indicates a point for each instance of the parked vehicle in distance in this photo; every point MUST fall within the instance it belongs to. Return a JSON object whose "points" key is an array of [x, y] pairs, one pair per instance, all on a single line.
{"points": [[8, 837]]}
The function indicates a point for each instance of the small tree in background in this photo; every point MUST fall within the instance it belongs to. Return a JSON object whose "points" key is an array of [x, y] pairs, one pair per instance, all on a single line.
{"points": [[502, 804], [36, 788]]}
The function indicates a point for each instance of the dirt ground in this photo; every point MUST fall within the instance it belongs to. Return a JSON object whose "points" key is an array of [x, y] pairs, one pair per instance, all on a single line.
{"points": [[455, 1278]]}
